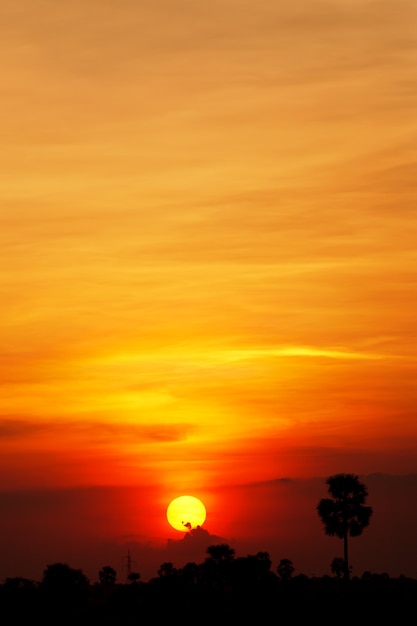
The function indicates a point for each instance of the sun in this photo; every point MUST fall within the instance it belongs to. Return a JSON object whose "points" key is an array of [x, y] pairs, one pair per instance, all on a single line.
{"points": [[186, 512]]}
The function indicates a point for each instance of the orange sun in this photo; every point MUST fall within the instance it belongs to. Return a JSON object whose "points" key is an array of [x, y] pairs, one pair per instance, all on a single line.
{"points": [[186, 512]]}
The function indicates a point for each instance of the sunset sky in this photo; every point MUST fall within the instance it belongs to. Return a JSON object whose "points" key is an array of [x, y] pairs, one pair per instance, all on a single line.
{"points": [[208, 271]]}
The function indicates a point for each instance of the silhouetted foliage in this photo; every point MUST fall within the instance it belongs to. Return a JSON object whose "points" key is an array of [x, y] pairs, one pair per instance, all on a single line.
{"points": [[133, 578], [337, 566], [107, 576], [345, 513], [18, 584], [65, 589], [251, 572], [241, 589], [221, 552], [217, 568], [190, 573], [19, 597], [167, 569], [60, 576], [285, 569]]}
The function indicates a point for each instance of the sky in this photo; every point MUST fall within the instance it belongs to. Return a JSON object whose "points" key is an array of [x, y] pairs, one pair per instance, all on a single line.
{"points": [[208, 278]]}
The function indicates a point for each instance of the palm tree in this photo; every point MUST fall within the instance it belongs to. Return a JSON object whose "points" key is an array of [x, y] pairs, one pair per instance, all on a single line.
{"points": [[345, 513]]}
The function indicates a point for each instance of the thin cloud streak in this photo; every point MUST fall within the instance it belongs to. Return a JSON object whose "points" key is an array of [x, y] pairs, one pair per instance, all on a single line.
{"points": [[308, 351], [93, 431]]}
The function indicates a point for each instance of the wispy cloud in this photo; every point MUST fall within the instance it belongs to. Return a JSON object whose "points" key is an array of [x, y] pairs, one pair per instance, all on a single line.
{"points": [[303, 351], [95, 432]]}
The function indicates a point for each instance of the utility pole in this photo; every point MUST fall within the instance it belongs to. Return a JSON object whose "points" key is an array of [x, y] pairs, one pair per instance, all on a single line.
{"points": [[129, 564]]}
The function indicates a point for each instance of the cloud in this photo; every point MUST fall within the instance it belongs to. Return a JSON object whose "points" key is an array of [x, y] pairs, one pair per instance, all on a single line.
{"points": [[192, 547], [11, 428], [96, 431], [290, 351]]}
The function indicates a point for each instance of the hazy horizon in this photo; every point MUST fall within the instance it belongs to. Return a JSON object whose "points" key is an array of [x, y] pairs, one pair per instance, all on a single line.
{"points": [[287, 526]]}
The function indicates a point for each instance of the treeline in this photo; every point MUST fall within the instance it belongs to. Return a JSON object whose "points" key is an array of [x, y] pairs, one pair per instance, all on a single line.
{"points": [[222, 589]]}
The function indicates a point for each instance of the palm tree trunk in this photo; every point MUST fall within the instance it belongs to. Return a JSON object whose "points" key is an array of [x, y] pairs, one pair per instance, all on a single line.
{"points": [[345, 556]]}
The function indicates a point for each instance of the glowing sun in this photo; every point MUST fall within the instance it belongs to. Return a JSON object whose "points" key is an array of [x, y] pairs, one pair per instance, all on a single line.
{"points": [[186, 512]]}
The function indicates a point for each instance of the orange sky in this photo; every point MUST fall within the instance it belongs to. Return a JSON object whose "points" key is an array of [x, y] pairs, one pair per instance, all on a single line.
{"points": [[208, 245]]}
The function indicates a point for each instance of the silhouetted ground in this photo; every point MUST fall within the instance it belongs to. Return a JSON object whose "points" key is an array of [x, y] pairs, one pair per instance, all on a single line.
{"points": [[300, 600]]}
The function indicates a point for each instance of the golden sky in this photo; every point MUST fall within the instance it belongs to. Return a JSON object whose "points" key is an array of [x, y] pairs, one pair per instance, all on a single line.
{"points": [[208, 241]]}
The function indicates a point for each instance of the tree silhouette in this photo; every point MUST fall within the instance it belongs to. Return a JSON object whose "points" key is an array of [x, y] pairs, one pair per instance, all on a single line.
{"points": [[190, 573], [262, 563], [345, 513], [133, 578], [107, 576], [251, 571], [65, 588], [218, 565], [285, 569], [337, 566], [167, 569], [221, 552], [60, 576]]}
